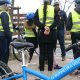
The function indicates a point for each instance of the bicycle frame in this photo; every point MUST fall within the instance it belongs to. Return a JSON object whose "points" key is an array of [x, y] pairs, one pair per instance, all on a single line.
{"points": [[57, 76]]}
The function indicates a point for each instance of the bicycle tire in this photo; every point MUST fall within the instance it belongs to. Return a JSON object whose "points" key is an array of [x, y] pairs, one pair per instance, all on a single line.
{"points": [[4, 69], [16, 54]]}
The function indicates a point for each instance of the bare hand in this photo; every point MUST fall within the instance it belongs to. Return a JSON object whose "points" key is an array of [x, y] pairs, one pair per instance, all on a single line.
{"points": [[47, 30]]}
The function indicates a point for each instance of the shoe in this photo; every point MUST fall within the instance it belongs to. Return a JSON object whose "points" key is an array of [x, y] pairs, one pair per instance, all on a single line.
{"points": [[57, 67], [77, 72], [63, 58], [29, 61]]}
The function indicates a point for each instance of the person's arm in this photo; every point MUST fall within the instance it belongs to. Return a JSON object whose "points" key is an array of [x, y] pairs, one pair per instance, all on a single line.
{"points": [[5, 23], [69, 22], [65, 18], [54, 24], [37, 22]]}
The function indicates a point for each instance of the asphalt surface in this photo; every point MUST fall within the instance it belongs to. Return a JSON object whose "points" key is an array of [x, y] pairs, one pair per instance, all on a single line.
{"points": [[16, 65]]}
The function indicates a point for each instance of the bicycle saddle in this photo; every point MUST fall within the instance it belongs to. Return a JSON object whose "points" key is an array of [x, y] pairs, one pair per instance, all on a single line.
{"points": [[19, 45]]}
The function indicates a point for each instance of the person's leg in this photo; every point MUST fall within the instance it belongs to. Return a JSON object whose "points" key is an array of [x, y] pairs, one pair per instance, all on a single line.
{"points": [[31, 51], [3, 50], [55, 64], [76, 51], [50, 58], [74, 40], [62, 43], [41, 56], [7, 52]]}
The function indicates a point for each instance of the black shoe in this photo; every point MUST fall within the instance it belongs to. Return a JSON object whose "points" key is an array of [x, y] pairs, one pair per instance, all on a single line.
{"points": [[57, 67], [63, 58], [77, 72]]}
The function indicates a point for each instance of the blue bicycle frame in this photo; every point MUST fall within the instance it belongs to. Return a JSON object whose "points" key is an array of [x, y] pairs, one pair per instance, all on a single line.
{"points": [[57, 76]]}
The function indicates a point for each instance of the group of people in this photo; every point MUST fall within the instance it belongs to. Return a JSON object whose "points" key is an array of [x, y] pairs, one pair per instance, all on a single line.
{"points": [[51, 23]]}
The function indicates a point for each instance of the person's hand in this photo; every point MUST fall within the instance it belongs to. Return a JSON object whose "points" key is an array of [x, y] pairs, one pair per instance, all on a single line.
{"points": [[47, 30]]}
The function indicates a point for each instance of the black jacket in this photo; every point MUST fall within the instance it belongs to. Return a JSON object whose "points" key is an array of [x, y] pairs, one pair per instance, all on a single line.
{"points": [[5, 23], [61, 19], [41, 37]]}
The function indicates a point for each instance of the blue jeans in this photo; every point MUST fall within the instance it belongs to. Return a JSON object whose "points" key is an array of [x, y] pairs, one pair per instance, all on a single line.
{"points": [[60, 38]]}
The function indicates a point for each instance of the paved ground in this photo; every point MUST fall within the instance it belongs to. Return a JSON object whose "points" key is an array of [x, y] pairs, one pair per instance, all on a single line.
{"points": [[16, 65]]}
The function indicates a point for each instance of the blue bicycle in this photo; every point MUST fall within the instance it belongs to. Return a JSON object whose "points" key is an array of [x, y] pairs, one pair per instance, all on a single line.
{"points": [[67, 69]]}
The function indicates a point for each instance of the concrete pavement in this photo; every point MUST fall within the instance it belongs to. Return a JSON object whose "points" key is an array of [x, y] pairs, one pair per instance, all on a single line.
{"points": [[16, 65]]}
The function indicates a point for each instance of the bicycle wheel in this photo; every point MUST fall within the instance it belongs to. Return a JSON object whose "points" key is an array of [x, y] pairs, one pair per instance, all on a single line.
{"points": [[17, 54], [4, 69]]}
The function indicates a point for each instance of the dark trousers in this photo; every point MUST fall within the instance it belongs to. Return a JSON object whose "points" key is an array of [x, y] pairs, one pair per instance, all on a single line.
{"points": [[34, 41], [75, 37], [60, 38], [46, 50], [4, 49]]}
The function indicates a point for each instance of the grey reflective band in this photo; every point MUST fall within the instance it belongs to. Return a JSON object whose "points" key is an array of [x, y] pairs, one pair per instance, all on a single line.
{"points": [[76, 28], [49, 18], [76, 22], [49, 22], [10, 23], [11, 27]]}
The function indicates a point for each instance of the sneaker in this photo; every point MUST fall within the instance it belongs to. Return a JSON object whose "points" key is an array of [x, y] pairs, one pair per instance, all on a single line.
{"points": [[63, 58], [57, 67]]}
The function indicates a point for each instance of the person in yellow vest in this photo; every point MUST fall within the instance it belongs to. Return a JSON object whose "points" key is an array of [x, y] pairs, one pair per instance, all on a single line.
{"points": [[73, 25], [44, 19], [30, 33], [5, 31]]}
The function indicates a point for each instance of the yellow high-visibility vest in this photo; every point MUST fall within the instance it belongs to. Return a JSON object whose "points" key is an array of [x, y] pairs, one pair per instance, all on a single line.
{"points": [[49, 15], [29, 32], [76, 22], [10, 23]]}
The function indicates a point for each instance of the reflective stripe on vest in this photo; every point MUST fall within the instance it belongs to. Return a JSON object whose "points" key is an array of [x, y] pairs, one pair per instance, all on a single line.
{"points": [[49, 15], [29, 33], [76, 22], [10, 23]]}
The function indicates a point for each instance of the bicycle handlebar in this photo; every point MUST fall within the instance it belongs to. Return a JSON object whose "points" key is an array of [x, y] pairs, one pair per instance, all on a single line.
{"points": [[72, 46]]}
